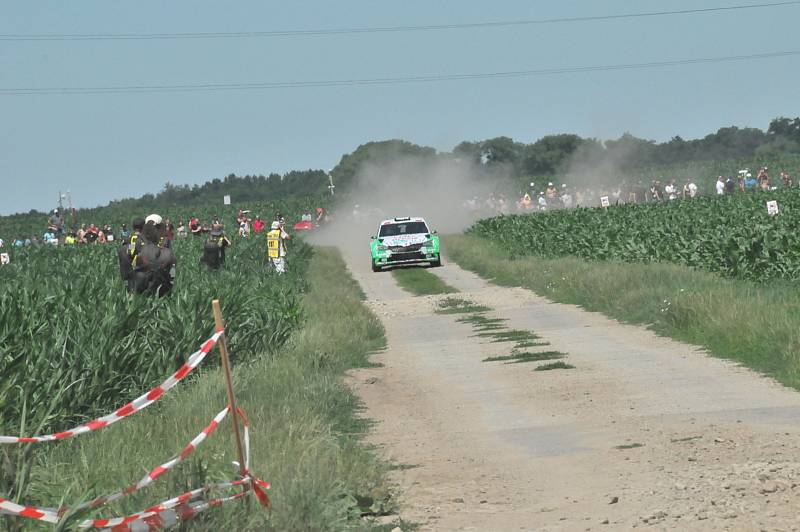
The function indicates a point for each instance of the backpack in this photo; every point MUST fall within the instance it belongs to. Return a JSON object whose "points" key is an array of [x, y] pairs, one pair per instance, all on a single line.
{"points": [[212, 253], [149, 275]]}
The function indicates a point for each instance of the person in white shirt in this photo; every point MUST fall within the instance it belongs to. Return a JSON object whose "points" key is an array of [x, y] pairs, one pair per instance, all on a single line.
{"points": [[720, 186], [691, 187], [671, 190]]}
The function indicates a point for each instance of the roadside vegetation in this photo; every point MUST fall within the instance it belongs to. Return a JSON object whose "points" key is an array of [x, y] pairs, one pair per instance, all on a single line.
{"points": [[733, 235], [306, 431], [421, 282], [755, 324], [490, 329]]}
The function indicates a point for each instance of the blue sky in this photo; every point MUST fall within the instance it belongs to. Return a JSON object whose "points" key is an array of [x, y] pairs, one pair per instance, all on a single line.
{"points": [[108, 146]]}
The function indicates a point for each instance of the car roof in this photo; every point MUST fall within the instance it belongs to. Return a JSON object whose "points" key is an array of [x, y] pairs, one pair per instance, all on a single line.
{"points": [[403, 219]]}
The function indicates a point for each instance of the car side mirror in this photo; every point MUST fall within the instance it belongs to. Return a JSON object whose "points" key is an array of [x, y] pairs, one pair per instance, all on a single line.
{"points": [[436, 232], [372, 237]]}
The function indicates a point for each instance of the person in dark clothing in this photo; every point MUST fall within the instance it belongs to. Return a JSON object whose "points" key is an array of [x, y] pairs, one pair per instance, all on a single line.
{"points": [[154, 271], [214, 248], [129, 250]]}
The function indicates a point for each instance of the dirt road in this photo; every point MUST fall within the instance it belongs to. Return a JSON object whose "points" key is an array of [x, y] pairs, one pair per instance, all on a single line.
{"points": [[644, 432]]}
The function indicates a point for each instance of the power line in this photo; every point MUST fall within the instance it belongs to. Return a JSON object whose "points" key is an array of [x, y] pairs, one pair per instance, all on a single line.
{"points": [[209, 87], [377, 29]]}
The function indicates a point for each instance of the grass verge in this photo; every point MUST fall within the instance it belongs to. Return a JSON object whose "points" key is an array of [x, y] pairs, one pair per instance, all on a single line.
{"points": [[553, 365], [456, 305], [754, 324], [306, 435], [526, 356], [421, 282]]}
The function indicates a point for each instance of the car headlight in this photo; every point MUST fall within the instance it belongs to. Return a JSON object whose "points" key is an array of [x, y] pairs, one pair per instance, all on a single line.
{"points": [[382, 248], [428, 243]]}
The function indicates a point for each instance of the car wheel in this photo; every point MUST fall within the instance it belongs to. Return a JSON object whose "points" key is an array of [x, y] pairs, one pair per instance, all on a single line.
{"points": [[436, 263], [375, 268]]}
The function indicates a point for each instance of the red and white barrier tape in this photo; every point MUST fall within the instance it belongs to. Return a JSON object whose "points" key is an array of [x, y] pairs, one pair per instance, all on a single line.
{"points": [[259, 486], [170, 518], [10, 508], [134, 406], [51, 516], [163, 468], [160, 508]]}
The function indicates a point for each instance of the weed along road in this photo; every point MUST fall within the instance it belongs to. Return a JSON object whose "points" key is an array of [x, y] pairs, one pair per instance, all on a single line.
{"points": [[627, 429]]}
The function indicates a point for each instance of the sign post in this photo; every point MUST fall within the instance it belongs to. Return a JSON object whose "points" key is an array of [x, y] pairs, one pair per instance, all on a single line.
{"points": [[226, 200], [772, 208]]}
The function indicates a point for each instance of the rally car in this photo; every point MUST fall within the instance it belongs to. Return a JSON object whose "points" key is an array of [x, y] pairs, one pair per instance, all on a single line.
{"points": [[404, 241]]}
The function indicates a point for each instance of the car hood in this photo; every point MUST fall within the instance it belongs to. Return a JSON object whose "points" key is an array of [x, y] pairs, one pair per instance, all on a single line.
{"points": [[404, 240]]}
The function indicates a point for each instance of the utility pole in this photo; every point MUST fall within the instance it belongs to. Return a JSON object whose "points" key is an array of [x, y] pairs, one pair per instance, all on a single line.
{"points": [[330, 179]]}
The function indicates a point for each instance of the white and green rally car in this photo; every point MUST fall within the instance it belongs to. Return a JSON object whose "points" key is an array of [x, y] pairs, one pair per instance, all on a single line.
{"points": [[404, 241]]}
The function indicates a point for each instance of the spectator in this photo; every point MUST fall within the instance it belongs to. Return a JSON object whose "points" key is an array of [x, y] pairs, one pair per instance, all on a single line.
{"points": [[276, 247], [154, 272], [182, 229], [692, 187], [542, 202], [671, 191], [730, 185], [214, 248], [91, 235], [720, 186], [258, 224], [763, 178]]}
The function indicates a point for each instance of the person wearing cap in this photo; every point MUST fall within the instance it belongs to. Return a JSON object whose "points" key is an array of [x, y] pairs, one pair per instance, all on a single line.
{"points": [[276, 247], [129, 251], [164, 240], [214, 248], [154, 272]]}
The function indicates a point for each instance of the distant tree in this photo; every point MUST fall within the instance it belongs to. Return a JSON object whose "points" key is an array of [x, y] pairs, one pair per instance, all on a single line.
{"points": [[376, 153]]}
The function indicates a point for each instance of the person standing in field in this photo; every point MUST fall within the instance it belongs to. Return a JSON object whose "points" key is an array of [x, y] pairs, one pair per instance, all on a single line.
{"points": [[154, 272], [214, 248], [129, 251], [763, 178], [276, 247], [258, 224], [720, 186]]}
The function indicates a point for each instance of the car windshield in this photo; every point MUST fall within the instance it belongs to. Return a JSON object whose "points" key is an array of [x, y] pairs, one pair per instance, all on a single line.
{"points": [[407, 228]]}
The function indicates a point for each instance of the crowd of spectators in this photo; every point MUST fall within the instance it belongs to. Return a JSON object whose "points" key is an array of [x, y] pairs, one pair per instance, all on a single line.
{"points": [[563, 196]]}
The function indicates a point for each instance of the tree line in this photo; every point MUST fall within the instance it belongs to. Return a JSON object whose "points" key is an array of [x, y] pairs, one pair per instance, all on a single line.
{"points": [[495, 157]]}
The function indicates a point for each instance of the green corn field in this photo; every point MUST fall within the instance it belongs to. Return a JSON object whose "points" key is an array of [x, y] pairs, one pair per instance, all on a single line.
{"points": [[732, 235], [74, 343]]}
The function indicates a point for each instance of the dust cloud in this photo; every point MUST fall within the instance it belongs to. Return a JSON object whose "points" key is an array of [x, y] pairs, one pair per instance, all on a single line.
{"points": [[435, 188]]}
